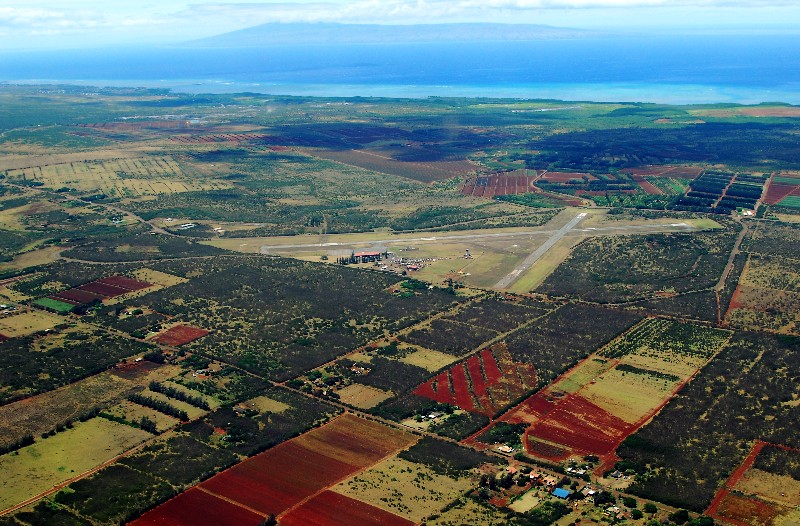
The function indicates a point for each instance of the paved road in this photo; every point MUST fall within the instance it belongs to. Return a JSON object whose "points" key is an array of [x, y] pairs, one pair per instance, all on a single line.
{"points": [[557, 236]]}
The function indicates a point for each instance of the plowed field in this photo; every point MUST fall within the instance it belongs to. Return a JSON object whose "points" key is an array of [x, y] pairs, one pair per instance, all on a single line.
{"points": [[283, 477], [333, 509], [179, 335]]}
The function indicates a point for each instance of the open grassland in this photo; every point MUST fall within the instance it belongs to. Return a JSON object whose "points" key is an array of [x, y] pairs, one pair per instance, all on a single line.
{"points": [[27, 323], [37, 468], [429, 360], [467, 511], [406, 488]]}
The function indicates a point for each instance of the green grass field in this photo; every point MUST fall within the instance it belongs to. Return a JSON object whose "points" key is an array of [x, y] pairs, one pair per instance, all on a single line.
{"points": [[61, 457]]}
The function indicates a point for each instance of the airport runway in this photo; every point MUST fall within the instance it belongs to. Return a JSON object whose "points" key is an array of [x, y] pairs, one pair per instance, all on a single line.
{"points": [[534, 256]]}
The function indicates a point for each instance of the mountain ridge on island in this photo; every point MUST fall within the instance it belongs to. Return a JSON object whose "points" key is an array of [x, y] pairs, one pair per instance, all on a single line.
{"points": [[336, 33]]}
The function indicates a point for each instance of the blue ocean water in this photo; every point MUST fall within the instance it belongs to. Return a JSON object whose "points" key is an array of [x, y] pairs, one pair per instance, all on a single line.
{"points": [[686, 69]]}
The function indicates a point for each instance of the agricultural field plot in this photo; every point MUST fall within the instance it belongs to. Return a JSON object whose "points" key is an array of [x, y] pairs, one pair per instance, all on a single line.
{"points": [[156, 277], [197, 508], [768, 296], [37, 468], [178, 335], [334, 509], [405, 488], [484, 383], [282, 477], [781, 187], [43, 413], [363, 396], [597, 404], [427, 359], [624, 268], [27, 323], [510, 183], [761, 491], [130, 412], [751, 380], [123, 178]]}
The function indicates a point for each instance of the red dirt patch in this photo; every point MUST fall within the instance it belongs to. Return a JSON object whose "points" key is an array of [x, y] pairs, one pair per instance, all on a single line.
{"points": [[745, 511], [4, 338], [647, 186], [484, 383], [333, 509], [197, 508], [179, 335]]}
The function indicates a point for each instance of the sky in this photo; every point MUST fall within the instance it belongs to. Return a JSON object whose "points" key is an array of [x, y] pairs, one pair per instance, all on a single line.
{"points": [[48, 24]]}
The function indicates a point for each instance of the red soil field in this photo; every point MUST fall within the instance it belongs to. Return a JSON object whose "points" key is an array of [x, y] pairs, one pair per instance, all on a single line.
{"points": [[777, 191], [479, 384], [282, 477], [490, 368], [179, 335], [582, 426], [197, 508], [647, 186], [102, 289], [462, 390], [125, 283], [741, 510], [4, 338], [332, 509], [278, 479], [76, 295]]}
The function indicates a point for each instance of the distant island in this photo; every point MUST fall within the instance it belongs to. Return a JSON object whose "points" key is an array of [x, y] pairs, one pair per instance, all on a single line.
{"points": [[320, 33]]}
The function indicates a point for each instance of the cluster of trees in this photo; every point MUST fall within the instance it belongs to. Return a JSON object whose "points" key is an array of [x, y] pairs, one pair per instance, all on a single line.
{"points": [[177, 394], [160, 406]]}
